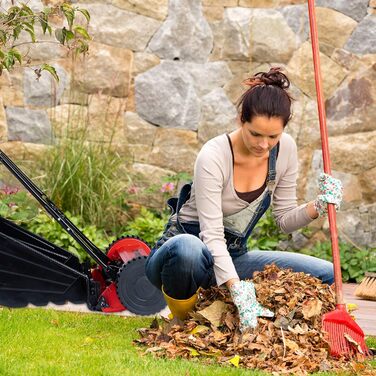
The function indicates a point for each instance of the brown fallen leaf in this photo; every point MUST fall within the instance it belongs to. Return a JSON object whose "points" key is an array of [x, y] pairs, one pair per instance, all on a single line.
{"points": [[311, 308], [299, 329], [291, 345], [214, 312], [353, 343]]}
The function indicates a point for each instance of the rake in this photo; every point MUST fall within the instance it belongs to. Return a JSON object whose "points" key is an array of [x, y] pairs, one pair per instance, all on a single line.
{"points": [[345, 337]]}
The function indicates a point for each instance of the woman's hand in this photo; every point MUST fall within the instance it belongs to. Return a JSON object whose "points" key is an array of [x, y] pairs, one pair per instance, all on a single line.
{"points": [[244, 297], [330, 191]]}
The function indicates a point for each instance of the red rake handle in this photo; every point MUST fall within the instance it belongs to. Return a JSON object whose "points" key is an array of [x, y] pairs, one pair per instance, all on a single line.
{"points": [[325, 150]]}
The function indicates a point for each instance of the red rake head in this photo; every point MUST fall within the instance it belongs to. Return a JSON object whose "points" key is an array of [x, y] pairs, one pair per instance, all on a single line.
{"points": [[345, 337]]}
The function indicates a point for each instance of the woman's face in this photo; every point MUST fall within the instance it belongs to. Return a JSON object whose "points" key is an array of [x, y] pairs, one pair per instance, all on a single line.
{"points": [[262, 134]]}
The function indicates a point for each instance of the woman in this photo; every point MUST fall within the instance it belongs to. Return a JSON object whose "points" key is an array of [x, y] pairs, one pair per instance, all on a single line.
{"points": [[236, 177]]}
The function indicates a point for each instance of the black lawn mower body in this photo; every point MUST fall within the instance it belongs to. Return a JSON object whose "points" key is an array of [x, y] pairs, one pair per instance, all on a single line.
{"points": [[35, 271]]}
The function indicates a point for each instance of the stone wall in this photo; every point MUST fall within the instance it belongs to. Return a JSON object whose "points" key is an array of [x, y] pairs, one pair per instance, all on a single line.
{"points": [[162, 77]]}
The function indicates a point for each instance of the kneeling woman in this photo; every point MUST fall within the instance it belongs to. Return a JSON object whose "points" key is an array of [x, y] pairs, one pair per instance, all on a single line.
{"points": [[237, 176]]}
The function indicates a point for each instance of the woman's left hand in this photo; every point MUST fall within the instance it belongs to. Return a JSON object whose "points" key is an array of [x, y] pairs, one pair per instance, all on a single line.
{"points": [[331, 191]]}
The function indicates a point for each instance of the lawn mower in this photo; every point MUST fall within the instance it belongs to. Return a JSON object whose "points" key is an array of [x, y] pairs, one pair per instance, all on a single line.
{"points": [[35, 271]]}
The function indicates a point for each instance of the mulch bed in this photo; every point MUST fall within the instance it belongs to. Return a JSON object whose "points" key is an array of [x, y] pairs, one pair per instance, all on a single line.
{"points": [[292, 342]]}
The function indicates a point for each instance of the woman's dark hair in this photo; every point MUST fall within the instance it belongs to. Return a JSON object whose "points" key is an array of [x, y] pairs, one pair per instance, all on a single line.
{"points": [[267, 96]]}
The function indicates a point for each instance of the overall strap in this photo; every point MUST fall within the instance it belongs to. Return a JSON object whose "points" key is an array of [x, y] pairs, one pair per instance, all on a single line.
{"points": [[185, 194], [270, 180]]}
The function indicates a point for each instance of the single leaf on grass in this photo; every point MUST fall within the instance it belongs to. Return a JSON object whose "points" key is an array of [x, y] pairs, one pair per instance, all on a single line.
{"points": [[235, 361]]}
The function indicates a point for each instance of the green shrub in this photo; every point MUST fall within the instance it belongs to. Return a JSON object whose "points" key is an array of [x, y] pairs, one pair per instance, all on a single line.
{"points": [[354, 261], [148, 225], [17, 206], [84, 179], [50, 230]]}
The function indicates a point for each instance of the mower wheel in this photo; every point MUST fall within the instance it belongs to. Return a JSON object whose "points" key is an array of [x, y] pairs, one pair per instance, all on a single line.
{"points": [[135, 291]]}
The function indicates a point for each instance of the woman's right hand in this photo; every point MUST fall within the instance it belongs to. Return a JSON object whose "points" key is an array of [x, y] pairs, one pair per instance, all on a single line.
{"points": [[244, 297]]}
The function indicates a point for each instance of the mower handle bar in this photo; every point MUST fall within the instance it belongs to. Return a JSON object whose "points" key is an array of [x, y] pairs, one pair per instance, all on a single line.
{"points": [[56, 213]]}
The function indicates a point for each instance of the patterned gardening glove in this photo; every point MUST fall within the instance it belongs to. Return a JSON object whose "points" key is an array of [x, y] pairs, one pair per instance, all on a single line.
{"points": [[244, 296], [330, 192]]}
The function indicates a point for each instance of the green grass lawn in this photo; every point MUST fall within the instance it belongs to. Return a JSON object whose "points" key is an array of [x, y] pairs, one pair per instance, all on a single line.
{"points": [[46, 342]]}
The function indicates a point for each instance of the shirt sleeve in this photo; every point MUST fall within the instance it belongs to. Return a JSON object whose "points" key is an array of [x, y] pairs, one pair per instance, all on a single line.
{"points": [[288, 215], [208, 185]]}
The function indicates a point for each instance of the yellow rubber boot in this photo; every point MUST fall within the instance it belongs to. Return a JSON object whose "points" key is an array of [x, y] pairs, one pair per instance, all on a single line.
{"points": [[180, 307]]}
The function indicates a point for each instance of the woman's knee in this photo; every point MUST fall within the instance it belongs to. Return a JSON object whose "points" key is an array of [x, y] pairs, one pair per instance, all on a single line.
{"points": [[319, 268], [186, 251], [184, 265], [326, 273]]}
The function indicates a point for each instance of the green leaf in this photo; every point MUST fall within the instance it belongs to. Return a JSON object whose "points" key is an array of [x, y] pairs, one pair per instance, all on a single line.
{"points": [[82, 31], [16, 54], [30, 29], [68, 12], [3, 37], [60, 35], [16, 31], [26, 10], [69, 35], [51, 70], [8, 61], [43, 19], [85, 13], [82, 48]]}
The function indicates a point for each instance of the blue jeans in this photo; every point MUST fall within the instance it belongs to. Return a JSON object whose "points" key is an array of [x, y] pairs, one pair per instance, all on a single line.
{"points": [[183, 264]]}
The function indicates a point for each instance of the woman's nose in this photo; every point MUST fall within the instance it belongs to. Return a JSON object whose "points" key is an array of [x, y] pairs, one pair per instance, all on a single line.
{"points": [[264, 143]]}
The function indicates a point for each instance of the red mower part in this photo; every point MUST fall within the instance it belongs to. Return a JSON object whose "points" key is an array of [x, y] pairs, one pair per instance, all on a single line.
{"points": [[127, 248], [109, 300], [97, 276]]}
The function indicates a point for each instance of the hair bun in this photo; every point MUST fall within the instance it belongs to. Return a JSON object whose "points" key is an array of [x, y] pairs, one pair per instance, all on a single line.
{"points": [[274, 77]]}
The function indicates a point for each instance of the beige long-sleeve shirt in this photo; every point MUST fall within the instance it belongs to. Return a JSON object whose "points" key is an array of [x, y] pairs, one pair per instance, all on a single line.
{"points": [[213, 196]]}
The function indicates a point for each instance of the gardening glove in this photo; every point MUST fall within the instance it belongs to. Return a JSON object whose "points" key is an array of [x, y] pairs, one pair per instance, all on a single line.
{"points": [[244, 296], [330, 192]]}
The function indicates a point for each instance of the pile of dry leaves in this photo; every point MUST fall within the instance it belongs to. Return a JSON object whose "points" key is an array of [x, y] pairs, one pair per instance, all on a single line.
{"points": [[290, 343]]}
